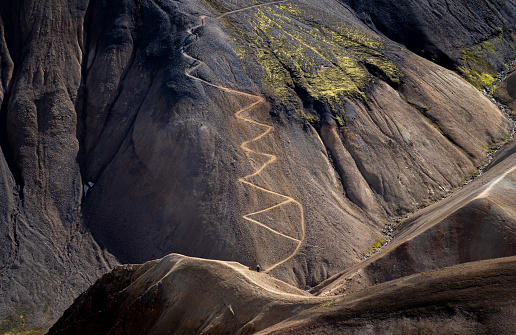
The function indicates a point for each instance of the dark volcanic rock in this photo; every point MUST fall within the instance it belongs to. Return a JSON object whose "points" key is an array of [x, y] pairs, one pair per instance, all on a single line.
{"points": [[476, 34], [47, 254], [282, 134]]}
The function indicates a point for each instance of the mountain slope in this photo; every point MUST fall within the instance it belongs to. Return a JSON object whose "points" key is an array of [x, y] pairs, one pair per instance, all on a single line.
{"points": [[185, 295], [281, 133], [474, 37], [181, 295], [377, 149], [473, 298], [475, 223]]}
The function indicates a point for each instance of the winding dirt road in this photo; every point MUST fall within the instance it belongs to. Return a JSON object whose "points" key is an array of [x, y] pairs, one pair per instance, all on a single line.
{"points": [[254, 101]]}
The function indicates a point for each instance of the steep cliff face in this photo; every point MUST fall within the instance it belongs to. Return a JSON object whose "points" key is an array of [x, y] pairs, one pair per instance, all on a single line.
{"points": [[281, 133]]}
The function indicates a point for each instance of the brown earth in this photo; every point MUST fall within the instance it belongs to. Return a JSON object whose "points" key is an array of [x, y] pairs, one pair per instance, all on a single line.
{"points": [[473, 298], [475, 223], [181, 295]]}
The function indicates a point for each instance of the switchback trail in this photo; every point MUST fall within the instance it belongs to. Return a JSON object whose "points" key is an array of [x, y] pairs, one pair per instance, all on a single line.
{"points": [[254, 101]]}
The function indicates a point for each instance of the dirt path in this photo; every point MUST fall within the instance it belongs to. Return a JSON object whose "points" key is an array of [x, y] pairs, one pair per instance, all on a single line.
{"points": [[254, 101]]}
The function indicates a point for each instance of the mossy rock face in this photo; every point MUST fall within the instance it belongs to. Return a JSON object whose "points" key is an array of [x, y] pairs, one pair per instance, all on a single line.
{"points": [[19, 324], [296, 50], [447, 31], [475, 64]]}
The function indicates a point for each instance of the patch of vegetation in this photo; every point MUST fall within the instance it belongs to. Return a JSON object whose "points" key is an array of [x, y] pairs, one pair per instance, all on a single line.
{"points": [[217, 5], [339, 121], [492, 89], [375, 246], [475, 68], [296, 50], [312, 119], [35, 331], [419, 107], [329, 303], [493, 147], [480, 80], [423, 110], [17, 325]]}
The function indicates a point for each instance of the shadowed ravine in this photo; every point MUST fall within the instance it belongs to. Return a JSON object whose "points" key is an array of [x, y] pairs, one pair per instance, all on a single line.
{"points": [[256, 100]]}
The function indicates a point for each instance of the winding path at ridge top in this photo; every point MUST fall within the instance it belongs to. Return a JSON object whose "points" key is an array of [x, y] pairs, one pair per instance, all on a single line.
{"points": [[244, 146]]}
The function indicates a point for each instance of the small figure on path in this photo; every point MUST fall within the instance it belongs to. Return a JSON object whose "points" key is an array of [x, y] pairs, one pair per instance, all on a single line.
{"points": [[258, 268], [203, 22]]}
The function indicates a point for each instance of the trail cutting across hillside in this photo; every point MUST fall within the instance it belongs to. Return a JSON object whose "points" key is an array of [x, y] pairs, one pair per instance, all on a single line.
{"points": [[254, 101]]}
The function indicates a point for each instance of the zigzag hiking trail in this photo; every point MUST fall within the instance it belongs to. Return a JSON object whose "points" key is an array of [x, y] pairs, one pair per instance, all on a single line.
{"points": [[255, 100]]}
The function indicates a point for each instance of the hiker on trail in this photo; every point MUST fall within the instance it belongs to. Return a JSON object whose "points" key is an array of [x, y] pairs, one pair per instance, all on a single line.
{"points": [[258, 268], [203, 22]]}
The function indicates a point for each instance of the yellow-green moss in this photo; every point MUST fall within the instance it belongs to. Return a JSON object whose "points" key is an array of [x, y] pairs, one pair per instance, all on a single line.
{"points": [[339, 121], [478, 79], [291, 52], [375, 246], [37, 331], [475, 68], [17, 325], [492, 89], [312, 119]]}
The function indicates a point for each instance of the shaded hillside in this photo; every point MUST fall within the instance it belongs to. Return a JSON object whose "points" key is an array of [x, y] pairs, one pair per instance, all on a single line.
{"points": [[474, 37], [474, 298], [281, 133], [181, 295], [475, 223]]}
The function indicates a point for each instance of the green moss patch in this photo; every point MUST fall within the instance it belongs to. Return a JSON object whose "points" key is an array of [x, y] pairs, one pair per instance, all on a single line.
{"points": [[475, 67], [295, 50], [17, 325]]}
